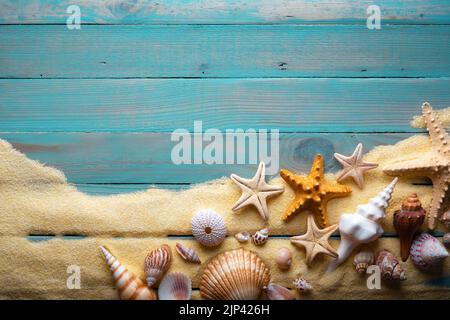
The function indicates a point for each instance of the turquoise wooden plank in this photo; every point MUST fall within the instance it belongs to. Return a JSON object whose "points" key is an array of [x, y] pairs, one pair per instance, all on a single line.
{"points": [[51, 51], [223, 12], [121, 188], [146, 157], [151, 105]]}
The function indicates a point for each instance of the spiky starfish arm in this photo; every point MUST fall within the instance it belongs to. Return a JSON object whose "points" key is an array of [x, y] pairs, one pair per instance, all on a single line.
{"points": [[439, 138], [440, 200]]}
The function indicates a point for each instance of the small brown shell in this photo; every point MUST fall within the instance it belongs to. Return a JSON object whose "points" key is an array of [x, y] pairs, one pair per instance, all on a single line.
{"points": [[260, 237], [156, 263], [277, 292], [242, 236], [390, 267], [284, 258], [188, 254], [363, 259], [302, 285]]}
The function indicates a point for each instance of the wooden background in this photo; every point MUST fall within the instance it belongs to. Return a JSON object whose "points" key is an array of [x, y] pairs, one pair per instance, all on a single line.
{"points": [[100, 103]]}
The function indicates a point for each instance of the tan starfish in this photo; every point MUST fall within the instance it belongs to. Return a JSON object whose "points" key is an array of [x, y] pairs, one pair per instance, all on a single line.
{"points": [[354, 166], [255, 191], [315, 241], [435, 164]]}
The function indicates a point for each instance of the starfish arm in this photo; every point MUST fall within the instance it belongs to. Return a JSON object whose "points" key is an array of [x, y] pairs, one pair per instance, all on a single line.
{"points": [[244, 183], [261, 205], [317, 167], [293, 208], [414, 166], [439, 138], [335, 190], [344, 160], [292, 179], [320, 212], [244, 200], [269, 190], [440, 193]]}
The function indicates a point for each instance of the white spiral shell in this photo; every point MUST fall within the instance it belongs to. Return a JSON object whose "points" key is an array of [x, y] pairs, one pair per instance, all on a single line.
{"points": [[209, 228]]}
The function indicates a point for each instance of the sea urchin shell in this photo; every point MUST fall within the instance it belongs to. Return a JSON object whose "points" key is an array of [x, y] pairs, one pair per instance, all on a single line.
{"points": [[208, 228]]}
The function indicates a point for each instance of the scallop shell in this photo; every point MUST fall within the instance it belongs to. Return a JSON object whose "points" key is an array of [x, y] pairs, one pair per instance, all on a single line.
{"points": [[175, 286], [156, 263], [277, 292], [188, 254], [427, 252], [260, 237], [284, 258], [242, 236], [209, 228], [234, 275], [446, 240], [362, 260], [130, 287], [390, 267], [302, 285]]}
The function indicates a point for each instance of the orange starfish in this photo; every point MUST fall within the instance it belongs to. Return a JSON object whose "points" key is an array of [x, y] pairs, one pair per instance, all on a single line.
{"points": [[313, 192]]}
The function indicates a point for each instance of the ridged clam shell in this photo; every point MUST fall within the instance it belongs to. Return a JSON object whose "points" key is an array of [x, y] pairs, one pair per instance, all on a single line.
{"points": [[284, 258], [129, 286], [208, 228], [188, 254], [277, 292], [175, 286], [427, 252], [390, 267], [156, 263], [242, 236], [302, 285], [260, 237], [234, 275], [362, 260]]}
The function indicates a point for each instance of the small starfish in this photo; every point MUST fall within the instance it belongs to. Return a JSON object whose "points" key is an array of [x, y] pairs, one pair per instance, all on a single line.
{"points": [[315, 241], [313, 191], [435, 164], [255, 191], [354, 166]]}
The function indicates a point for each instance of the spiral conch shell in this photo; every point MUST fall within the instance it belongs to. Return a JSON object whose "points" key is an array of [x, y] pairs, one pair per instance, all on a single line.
{"points": [[234, 275], [390, 267], [364, 226], [209, 228], [156, 263], [427, 252], [363, 260], [188, 254], [130, 287]]}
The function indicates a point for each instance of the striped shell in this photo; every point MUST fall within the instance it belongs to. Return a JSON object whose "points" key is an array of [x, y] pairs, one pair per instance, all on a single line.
{"points": [[187, 254], [129, 286], [302, 285], [390, 267], [156, 263], [175, 286], [427, 252], [277, 292], [234, 275], [209, 228], [363, 259], [260, 237]]}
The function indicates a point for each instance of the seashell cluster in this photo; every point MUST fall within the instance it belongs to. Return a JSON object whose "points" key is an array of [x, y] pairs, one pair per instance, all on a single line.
{"points": [[390, 267], [427, 252], [277, 292], [188, 254], [242, 236], [365, 225], [407, 221], [446, 240], [302, 285], [363, 259], [129, 286], [283, 258], [156, 263], [260, 237], [234, 275], [175, 286], [208, 228]]}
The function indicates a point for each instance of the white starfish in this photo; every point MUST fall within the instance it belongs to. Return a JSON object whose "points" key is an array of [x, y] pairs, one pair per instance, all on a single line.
{"points": [[354, 166], [255, 191]]}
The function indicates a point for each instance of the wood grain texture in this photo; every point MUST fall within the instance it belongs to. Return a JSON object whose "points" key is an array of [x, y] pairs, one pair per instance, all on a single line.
{"points": [[145, 158], [51, 51], [223, 11], [150, 105]]}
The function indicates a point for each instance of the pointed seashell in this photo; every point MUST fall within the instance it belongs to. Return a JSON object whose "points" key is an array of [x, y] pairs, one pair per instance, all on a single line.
{"points": [[427, 252], [364, 226], [446, 240], [407, 221], [188, 254], [390, 267], [156, 263], [130, 287], [277, 292], [242, 236], [284, 258], [260, 237], [363, 259], [175, 286], [234, 275], [302, 285], [209, 228]]}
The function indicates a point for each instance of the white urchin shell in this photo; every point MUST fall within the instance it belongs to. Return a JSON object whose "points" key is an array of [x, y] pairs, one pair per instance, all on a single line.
{"points": [[209, 228], [175, 286]]}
